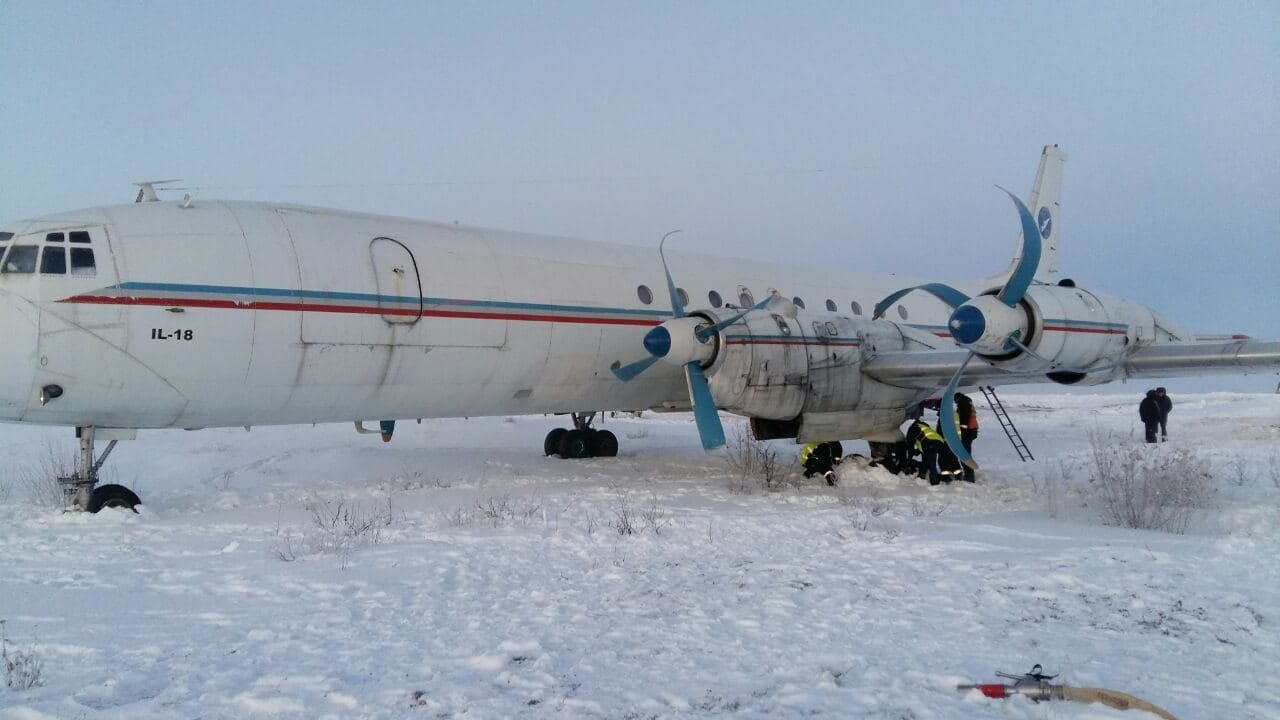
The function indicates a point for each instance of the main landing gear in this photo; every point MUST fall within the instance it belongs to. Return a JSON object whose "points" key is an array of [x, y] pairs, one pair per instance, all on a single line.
{"points": [[81, 487], [583, 441]]}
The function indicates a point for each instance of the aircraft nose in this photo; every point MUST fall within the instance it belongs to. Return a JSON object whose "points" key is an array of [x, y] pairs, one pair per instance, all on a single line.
{"points": [[18, 335]]}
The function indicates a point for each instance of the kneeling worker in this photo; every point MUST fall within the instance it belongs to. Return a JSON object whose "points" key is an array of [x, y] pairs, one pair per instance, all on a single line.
{"points": [[819, 459]]}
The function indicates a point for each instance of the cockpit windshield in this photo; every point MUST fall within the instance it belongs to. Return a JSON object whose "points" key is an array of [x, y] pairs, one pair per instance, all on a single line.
{"points": [[20, 259], [50, 257]]}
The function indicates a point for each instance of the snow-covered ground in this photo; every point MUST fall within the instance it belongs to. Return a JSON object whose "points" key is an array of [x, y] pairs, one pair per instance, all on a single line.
{"points": [[494, 582]]}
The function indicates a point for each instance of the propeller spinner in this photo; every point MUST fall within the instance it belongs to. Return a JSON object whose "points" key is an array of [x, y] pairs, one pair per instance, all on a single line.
{"points": [[686, 340]]}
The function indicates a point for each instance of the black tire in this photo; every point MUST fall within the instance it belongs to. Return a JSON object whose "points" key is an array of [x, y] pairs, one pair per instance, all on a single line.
{"points": [[604, 444], [551, 445], [112, 496], [575, 445]]}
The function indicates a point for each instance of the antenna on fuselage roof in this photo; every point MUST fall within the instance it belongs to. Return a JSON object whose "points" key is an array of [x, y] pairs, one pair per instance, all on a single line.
{"points": [[147, 190]]}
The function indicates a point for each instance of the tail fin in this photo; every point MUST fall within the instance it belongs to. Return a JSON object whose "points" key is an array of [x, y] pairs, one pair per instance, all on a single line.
{"points": [[1045, 202]]}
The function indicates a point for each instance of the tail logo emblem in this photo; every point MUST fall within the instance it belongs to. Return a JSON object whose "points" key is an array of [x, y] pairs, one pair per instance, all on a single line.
{"points": [[1045, 220]]}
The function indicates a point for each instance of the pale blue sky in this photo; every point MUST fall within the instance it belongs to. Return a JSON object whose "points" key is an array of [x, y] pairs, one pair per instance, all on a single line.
{"points": [[850, 134]]}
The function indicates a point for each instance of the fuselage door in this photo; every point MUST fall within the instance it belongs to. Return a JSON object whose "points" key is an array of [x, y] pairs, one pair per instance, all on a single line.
{"points": [[399, 287]]}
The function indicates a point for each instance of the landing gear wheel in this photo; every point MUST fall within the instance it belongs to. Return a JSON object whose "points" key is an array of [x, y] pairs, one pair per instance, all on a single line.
{"points": [[604, 444], [551, 445], [112, 496], [575, 445], [837, 450]]}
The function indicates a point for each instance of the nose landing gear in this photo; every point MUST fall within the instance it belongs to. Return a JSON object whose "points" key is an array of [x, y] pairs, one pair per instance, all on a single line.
{"points": [[583, 441], [81, 487]]}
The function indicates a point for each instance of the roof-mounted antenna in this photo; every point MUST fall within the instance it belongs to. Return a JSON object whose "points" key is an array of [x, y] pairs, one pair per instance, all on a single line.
{"points": [[147, 190]]}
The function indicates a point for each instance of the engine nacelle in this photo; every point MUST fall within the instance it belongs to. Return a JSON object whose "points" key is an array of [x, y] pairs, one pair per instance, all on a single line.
{"points": [[775, 367], [1072, 334]]}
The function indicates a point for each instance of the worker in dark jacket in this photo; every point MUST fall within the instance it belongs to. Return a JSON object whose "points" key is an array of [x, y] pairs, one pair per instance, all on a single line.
{"points": [[821, 459], [1149, 413], [926, 442], [1165, 406], [968, 429]]}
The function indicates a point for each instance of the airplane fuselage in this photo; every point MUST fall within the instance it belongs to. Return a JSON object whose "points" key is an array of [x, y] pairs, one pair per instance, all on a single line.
{"points": [[224, 313]]}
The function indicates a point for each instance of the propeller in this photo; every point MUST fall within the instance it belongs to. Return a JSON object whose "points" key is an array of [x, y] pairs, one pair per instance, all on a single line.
{"points": [[685, 340], [985, 325]]}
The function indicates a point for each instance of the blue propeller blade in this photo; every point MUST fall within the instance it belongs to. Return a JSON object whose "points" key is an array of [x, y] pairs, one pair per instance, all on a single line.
{"points": [[627, 373], [947, 294], [706, 333], [677, 307], [704, 407], [947, 418], [1013, 290]]}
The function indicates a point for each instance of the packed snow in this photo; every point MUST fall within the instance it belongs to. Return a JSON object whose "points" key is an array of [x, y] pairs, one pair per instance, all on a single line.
{"points": [[310, 572]]}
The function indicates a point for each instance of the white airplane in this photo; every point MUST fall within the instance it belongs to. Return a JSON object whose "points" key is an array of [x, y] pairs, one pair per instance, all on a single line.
{"points": [[205, 314]]}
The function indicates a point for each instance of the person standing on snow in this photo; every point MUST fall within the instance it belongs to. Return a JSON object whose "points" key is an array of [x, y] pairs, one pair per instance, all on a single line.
{"points": [[1162, 398], [968, 429], [1149, 413]]}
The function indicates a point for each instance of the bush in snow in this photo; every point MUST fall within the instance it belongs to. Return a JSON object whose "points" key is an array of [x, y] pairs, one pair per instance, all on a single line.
{"points": [[1148, 487], [497, 511], [338, 528], [630, 520], [40, 481], [752, 463], [23, 669]]}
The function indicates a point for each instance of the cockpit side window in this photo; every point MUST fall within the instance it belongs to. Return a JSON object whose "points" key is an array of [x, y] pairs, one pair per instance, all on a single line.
{"points": [[53, 261], [21, 259], [82, 261], [79, 236], [53, 237]]}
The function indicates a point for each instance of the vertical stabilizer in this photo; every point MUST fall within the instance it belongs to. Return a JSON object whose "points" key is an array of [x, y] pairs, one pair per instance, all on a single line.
{"points": [[1045, 203]]}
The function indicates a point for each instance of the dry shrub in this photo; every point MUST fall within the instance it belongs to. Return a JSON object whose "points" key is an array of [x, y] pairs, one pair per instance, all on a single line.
{"points": [[498, 511], [1148, 487], [752, 463], [23, 668], [338, 528]]}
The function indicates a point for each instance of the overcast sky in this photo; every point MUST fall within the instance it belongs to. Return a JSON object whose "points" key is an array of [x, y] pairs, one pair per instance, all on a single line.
{"points": [[850, 134]]}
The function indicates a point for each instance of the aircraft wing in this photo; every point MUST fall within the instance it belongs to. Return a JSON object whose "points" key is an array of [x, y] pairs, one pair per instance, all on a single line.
{"points": [[934, 368]]}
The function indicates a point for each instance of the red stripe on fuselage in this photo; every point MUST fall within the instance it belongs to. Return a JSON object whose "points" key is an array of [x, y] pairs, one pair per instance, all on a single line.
{"points": [[1099, 331], [844, 343], [355, 310]]}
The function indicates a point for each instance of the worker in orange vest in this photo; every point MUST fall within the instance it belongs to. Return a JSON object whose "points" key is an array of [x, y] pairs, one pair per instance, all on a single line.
{"points": [[968, 429]]}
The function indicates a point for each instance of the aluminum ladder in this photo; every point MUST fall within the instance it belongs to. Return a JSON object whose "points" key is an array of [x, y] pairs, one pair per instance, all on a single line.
{"points": [[997, 408]]}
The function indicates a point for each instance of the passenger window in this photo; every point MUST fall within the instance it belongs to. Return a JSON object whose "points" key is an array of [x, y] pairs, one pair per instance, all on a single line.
{"points": [[53, 237], [798, 301], [715, 299], [745, 297], [53, 261], [645, 294], [79, 236], [855, 307], [82, 262], [831, 305], [902, 312], [21, 259], [5, 237], [684, 296]]}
